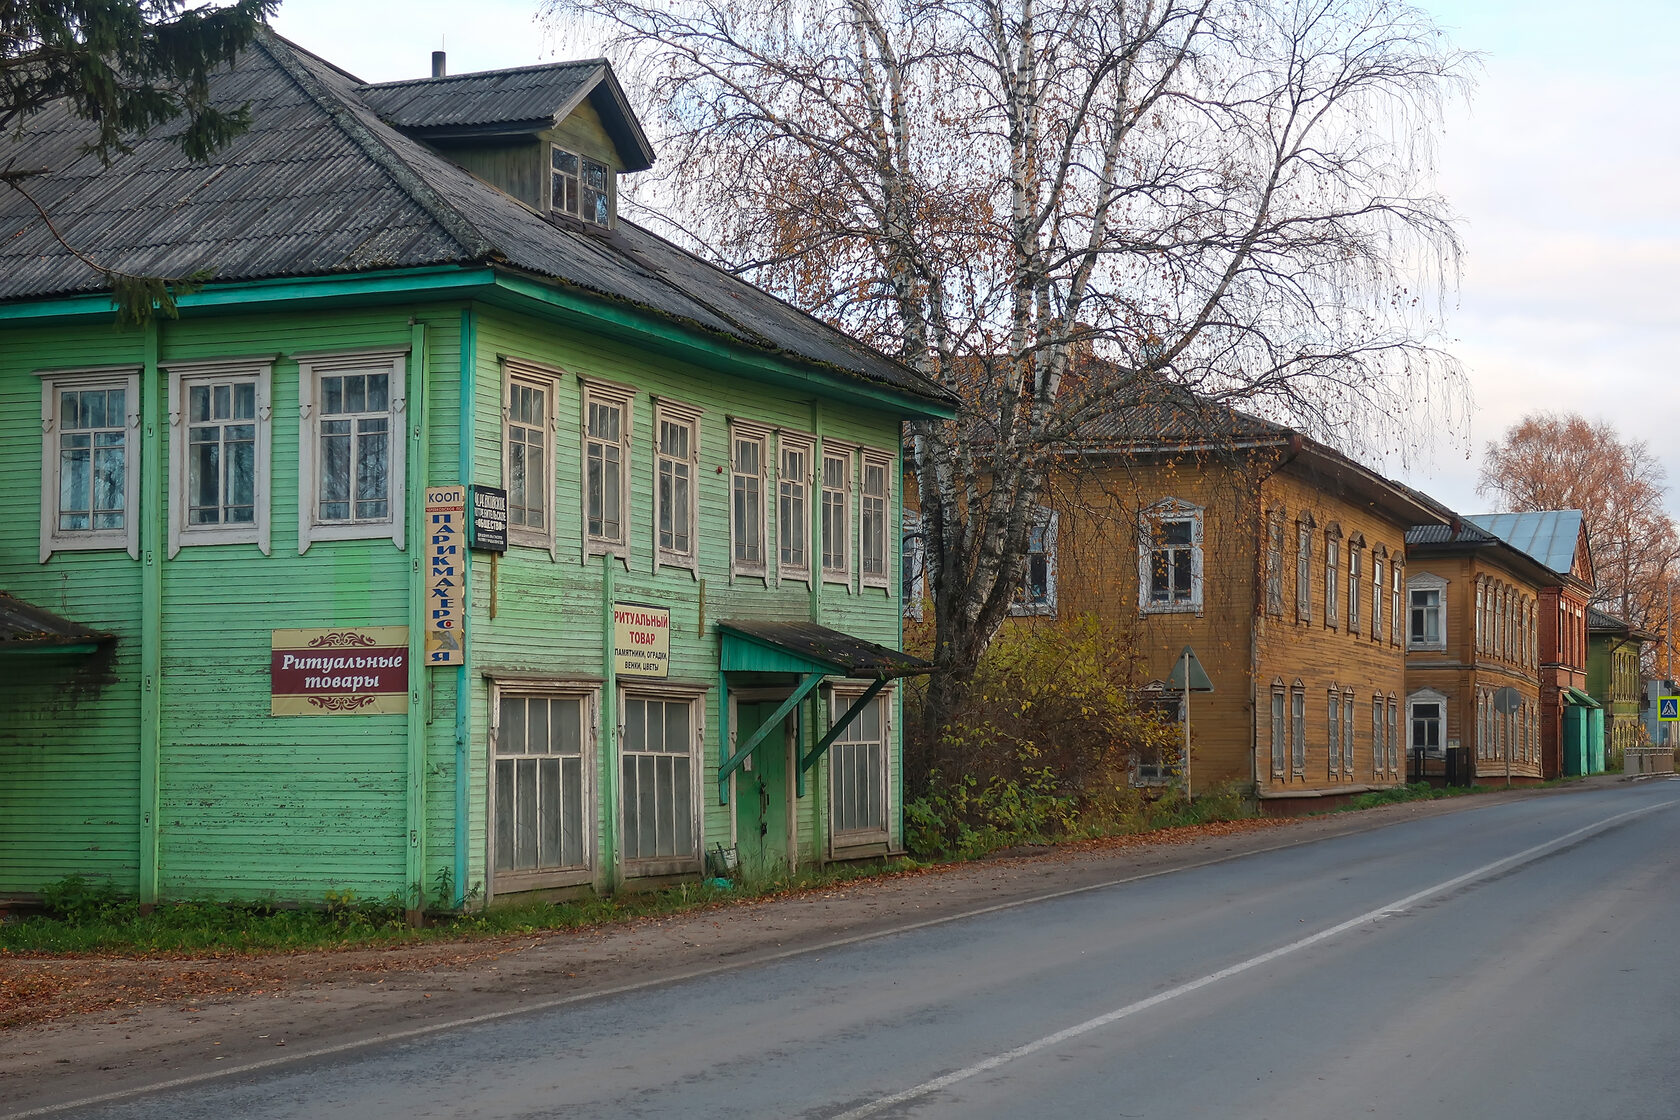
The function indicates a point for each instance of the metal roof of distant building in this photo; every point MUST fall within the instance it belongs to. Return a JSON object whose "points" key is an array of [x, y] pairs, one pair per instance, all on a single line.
{"points": [[1548, 536], [1443, 534], [1604, 620], [321, 186]]}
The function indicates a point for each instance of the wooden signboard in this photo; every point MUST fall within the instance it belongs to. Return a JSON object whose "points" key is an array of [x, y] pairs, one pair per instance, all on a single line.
{"points": [[446, 551], [339, 672], [641, 640]]}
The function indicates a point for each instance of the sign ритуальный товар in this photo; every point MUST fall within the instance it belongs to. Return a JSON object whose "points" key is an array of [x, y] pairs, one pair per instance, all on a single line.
{"points": [[641, 640]]}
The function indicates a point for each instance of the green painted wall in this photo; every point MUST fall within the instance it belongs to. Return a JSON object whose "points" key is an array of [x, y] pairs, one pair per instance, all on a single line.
{"points": [[251, 805]]}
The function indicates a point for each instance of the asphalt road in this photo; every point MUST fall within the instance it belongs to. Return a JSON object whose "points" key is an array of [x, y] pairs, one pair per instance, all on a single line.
{"points": [[1513, 960]]}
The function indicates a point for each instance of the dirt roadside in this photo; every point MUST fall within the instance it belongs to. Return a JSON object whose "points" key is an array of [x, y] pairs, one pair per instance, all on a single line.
{"points": [[106, 1024]]}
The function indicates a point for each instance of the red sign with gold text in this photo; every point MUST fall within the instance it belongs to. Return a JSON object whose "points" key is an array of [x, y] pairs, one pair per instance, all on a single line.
{"points": [[339, 672]]}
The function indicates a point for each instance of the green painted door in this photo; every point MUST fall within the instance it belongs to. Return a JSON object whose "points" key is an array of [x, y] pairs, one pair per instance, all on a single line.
{"points": [[761, 797]]}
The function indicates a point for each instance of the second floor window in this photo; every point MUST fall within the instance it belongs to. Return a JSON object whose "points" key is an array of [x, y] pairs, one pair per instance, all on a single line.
{"points": [[1332, 581], [1303, 571], [219, 451], [1170, 557], [1426, 617], [1274, 566], [604, 470], [1036, 593], [526, 466], [674, 489], [90, 480], [1355, 588], [793, 508], [877, 498], [580, 186], [1376, 599], [836, 519], [746, 496], [350, 447]]}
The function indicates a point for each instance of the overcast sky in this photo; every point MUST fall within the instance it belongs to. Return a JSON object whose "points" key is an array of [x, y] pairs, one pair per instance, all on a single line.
{"points": [[1565, 168]]}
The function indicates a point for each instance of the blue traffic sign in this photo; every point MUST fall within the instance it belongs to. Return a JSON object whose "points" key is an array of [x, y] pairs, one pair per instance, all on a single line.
{"points": [[1668, 708]]}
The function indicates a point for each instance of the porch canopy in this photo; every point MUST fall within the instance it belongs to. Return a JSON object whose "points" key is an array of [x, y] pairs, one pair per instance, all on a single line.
{"points": [[25, 628], [810, 653], [1580, 699]]}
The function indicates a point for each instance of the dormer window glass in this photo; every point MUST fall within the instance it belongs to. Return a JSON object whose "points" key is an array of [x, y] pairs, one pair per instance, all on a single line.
{"points": [[579, 186]]}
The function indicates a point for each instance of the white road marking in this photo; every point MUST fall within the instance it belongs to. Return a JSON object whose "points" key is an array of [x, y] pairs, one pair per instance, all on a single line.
{"points": [[1370, 917], [295, 1057]]}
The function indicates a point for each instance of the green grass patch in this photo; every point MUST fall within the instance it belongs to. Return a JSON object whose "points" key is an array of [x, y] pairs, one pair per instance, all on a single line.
{"points": [[1417, 791], [89, 916]]}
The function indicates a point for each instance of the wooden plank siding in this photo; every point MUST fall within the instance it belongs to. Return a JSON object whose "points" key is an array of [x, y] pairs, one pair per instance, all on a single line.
{"points": [[254, 806]]}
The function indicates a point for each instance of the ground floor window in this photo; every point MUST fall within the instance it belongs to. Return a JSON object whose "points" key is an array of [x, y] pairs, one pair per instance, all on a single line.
{"points": [[657, 757], [1428, 716], [857, 768], [538, 779]]}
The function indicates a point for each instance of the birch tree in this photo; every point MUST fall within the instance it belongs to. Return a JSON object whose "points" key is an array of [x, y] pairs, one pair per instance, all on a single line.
{"points": [[1052, 207]]}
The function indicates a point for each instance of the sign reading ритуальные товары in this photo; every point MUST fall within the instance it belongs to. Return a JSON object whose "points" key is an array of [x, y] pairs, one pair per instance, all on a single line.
{"points": [[339, 672], [641, 640], [446, 572]]}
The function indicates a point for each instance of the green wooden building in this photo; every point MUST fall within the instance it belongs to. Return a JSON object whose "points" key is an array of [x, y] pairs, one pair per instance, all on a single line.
{"points": [[458, 539], [1615, 681]]}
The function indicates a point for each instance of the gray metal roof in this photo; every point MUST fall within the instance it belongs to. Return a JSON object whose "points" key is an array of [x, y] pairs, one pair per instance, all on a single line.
{"points": [[320, 186], [1548, 536], [25, 626], [1424, 535], [520, 100]]}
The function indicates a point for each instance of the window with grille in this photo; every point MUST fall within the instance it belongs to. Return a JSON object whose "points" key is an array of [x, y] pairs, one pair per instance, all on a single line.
{"points": [[538, 778], [657, 791], [857, 762], [1428, 720]]}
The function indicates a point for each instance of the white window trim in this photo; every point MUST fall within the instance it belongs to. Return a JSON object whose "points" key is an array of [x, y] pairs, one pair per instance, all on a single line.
{"points": [[836, 449], [1427, 696], [548, 380], [695, 698], [914, 545], [887, 463], [1052, 528], [624, 396], [1427, 581], [750, 430], [54, 539], [1169, 509], [664, 408], [257, 533], [807, 444], [311, 367], [512, 882], [840, 698]]}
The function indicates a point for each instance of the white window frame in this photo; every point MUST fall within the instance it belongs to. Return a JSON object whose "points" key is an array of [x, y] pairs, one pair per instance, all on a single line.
{"points": [[54, 539], [181, 377], [1427, 696], [1427, 581], [559, 206], [1163, 511], [694, 698], [311, 368], [758, 433], [668, 411], [913, 552], [1021, 607], [622, 397], [802, 444], [832, 449], [548, 382], [589, 695], [885, 463], [840, 698]]}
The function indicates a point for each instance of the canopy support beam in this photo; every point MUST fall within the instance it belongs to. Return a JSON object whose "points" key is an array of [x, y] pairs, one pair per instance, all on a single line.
{"points": [[833, 733], [729, 765]]}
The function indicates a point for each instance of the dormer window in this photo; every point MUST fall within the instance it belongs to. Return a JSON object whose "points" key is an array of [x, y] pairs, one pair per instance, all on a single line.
{"points": [[579, 186]]}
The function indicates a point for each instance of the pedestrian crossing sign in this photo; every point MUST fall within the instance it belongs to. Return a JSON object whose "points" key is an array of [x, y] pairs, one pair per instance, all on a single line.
{"points": [[1668, 709]]}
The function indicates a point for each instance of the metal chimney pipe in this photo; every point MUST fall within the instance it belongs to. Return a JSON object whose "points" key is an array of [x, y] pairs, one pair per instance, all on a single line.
{"points": [[439, 69]]}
